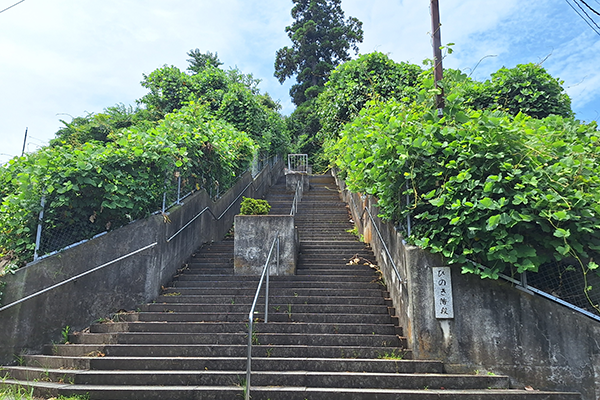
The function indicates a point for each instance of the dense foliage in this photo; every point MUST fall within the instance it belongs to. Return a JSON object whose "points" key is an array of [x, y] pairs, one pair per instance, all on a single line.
{"points": [[526, 88], [485, 187], [372, 76], [250, 206], [107, 169]]}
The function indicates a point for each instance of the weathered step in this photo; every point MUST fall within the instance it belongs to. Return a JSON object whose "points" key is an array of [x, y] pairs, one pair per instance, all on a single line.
{"points": [[273, 317], [232, 364], [372, 291], [272, 377], [292, 284], [223, 327], [351, 273], [66, 356], [284, 393], [274, 300], [274, 308], [339, 339]]}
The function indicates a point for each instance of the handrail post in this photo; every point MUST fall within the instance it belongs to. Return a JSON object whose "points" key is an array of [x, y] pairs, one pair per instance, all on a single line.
{"points": [[265, 270], [249, 361], [267, 291]]}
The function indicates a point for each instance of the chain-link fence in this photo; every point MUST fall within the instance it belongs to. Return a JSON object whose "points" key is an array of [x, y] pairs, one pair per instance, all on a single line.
{"points": [[571, 282], [62, 226]]}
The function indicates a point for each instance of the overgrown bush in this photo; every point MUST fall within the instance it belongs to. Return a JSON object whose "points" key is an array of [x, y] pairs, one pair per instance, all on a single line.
{"points": [[100, 186], [250, 206], [484, 186]]}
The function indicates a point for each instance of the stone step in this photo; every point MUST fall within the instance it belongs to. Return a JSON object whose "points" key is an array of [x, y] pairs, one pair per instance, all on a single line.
{"points": [[373, 291], [69, 356], [223, 327], [274, 377], [273, 317], [240, 338], [233, 287], [275, 300], [112, 392], [274, 308], [389, 366]]}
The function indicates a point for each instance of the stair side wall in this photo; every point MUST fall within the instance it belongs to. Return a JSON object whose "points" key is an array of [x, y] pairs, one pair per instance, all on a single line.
{"points": [[27, 327], [497, 328]]}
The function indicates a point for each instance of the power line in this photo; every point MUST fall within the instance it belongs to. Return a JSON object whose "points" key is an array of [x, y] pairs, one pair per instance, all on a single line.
{"points": [[583, 18], [586, 14], [12, 6], [588, 6]]}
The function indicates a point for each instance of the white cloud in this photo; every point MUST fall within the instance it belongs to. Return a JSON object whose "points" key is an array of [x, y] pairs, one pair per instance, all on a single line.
{"points": [[77, 56]]}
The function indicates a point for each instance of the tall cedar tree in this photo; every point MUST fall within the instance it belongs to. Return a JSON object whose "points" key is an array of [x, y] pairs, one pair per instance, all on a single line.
{"points": [[321, 40]]}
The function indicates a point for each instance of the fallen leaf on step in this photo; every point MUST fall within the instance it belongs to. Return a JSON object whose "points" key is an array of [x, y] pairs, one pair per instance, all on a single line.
{"points": [[529, 388]]}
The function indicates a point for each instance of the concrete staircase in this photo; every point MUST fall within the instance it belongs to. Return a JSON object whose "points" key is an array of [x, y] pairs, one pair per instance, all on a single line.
{"points": [[331, 332]]}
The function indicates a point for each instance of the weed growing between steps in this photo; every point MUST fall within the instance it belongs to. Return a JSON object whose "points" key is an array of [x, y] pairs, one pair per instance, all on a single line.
{"points": [[19, 392], [393, 354]]}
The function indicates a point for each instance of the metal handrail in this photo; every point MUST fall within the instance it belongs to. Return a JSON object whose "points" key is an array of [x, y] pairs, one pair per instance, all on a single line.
{"points": [[400, 280], [6, 307], [297, 197], [210, 211], [266, 271]]}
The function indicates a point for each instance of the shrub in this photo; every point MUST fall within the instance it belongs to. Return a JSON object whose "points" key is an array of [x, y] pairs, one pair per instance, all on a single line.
{"points": [[252, 206]]}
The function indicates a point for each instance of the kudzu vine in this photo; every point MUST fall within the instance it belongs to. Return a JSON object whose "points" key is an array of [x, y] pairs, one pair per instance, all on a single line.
{"points": [[490, 191]]}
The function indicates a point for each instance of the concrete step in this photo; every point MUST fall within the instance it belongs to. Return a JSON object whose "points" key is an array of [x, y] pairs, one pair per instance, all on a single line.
{"points": [[273, 317], [228, 364], [224, 327], [112, 392], [372, 291], [271, 377], [275, 300], [69, 356], [240, 338], [274, 308], [233, 287]]}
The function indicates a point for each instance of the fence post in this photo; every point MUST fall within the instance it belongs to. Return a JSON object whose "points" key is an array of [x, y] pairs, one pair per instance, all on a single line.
{"points": [[178, 174], [38, 236]]}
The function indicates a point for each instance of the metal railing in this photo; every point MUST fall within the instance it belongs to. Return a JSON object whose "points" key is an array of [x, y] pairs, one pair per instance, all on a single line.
{"points": [[298, 162], [266, 271], [297, 198], [74, 278], [395, 268]]}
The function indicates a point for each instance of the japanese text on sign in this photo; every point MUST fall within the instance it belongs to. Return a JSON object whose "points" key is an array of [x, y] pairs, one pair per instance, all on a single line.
{"points": [[442, 293]]}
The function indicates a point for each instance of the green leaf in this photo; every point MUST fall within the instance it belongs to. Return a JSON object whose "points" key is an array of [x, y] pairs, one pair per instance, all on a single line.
{"points": [[493, 222], [562, 233]]}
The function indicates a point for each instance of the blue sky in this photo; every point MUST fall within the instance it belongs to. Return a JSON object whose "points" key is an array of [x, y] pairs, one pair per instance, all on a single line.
{"points": [[65, 58]]}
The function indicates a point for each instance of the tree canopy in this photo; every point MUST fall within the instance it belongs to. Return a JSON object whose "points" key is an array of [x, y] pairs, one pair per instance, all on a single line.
{"points": [[321, 40], [105, 169]]}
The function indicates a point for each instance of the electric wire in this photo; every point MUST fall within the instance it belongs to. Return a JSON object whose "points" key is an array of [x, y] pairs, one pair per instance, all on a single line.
{"points": [[586, 14], [582, 17], [12, 6], [588, 6]]}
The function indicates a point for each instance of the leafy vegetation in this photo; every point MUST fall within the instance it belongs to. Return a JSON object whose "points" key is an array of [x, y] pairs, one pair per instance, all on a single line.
{"points": [[526, 88], [104, 170], [486, 188], [250, 206]]}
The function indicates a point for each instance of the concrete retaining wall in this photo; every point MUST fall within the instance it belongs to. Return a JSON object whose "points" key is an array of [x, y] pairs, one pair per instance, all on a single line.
{"points": [[123, 285], [254, 235], [496, 327]]}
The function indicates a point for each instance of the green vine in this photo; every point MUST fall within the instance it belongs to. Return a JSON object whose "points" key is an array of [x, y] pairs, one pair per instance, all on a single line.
{"points": [[511, 193]]}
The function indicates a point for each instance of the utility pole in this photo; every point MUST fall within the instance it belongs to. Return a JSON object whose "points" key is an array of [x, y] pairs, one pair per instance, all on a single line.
{"points": [[24, 141], [437, 53]]}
